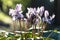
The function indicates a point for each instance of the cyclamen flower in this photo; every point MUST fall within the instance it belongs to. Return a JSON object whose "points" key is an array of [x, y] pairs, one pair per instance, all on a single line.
{"points": [[34, 11], [17, 13], [12, 12], [18, 7], [38, 13], [48, 18], [30, 12], [40, 10]]}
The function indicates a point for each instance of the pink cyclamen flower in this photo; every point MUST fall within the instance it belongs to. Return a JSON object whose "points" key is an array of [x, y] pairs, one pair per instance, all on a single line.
{"points": [[17, 13], [48, 18], [13, 13], [30, 12], [18, 7], [40, 10]]}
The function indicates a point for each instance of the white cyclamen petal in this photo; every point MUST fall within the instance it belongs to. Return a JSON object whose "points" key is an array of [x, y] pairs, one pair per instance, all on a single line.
{"points": [[10, 11], [41, 10], [38, 10], [14, 13], [35, 11], [52, 17], [29, 10], [13, 18], [46, 13]]}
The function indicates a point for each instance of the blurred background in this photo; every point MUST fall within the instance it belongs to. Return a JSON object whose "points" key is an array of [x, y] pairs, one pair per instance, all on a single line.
{"points": [[5, 5]]}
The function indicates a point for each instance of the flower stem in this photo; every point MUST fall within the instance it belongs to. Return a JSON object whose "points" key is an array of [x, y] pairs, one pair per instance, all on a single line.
{"points": [[14, 26], [20, 25]]}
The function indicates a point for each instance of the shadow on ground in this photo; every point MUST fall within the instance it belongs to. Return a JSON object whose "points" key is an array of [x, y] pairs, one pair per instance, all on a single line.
{"points": [[4, 24]]}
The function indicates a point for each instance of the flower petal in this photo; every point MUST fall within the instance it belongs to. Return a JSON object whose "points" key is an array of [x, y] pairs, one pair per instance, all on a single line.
{"points": [[46, 13], [18, 7]]}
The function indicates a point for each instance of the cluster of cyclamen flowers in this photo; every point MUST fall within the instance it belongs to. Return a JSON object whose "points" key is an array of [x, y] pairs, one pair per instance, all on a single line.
{"points": [[33, 13], [17, 12], [34, 16]]}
